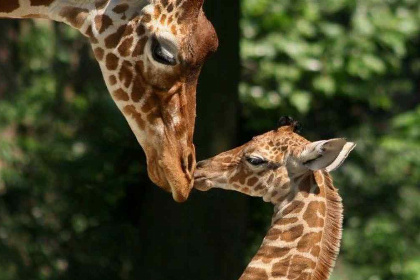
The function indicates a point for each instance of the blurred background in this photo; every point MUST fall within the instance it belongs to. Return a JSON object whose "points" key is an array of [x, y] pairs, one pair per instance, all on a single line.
{"points": [[75, 200]]}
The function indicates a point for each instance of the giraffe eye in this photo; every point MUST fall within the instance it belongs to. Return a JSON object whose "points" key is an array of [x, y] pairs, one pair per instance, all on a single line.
{"points": [[256, 161], [163, 53]]}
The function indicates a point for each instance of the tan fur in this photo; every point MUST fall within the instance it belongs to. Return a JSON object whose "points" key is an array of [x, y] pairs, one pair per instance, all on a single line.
{"points": [[332, 231]]}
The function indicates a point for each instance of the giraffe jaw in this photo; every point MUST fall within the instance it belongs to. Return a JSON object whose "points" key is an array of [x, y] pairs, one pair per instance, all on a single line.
{"points": [[172, 172]]}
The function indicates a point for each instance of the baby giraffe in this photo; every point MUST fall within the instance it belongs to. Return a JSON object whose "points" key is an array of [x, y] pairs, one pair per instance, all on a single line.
{"points": [[292, 173]]}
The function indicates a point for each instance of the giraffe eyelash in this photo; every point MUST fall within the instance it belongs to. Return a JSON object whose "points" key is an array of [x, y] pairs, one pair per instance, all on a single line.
{"points": [[256, 161]]}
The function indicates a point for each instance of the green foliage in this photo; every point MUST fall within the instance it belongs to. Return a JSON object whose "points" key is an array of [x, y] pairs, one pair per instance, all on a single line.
{"points": [[60, 191], [348, 68]]}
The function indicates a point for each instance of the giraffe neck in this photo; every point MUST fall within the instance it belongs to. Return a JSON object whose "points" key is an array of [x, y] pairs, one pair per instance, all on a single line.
{"points": [[304, 238]]}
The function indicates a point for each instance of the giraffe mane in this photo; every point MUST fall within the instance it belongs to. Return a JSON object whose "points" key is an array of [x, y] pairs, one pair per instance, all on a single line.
{"points": [[331, 237]]}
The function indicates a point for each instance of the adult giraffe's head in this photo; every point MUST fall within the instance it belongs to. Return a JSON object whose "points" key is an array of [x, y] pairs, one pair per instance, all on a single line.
{"points": [[151, 53]]}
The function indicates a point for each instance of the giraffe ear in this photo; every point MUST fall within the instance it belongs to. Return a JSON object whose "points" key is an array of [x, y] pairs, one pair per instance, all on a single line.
{"points": [[326, 154]]}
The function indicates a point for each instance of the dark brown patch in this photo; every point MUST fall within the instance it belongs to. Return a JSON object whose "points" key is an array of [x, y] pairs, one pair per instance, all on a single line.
{"points": [[270, 179], [173, 30], [252, 181], [267, 253], [120, 8], [40, 2], [100, 4], [74, 16], [146, 18], [280, 268], [298, 265], [89, 34], [253, 273], [130, 110], [315, 251], [294, 208], [140, 30], [311, 214], [99, 53], [308, 241], [112, 80], [170, 19], [292, 234], [121, 95], [158, 11], [111, 61], [288, 235], [285, 221], [102, 22], [126, 73], [138, 91], [162, 19], [8, 6], [165, 3], [170, 8], [125, 47], [112, 40], [306, 184], [139, 49]]}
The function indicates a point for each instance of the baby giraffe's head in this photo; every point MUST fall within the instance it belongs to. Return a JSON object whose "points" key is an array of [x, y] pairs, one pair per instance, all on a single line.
{"points": [[267, 164]]}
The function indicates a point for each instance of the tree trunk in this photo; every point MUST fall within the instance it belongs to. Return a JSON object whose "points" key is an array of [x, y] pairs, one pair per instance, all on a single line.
{"points": [[203, 238]]}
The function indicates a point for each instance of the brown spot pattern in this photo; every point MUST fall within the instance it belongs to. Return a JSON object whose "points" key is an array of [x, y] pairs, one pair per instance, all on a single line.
{"points": [[298, 264], [112, 80], [102, 22], [252, 181], [121, 95], [266, 253], [121, 8], [112, 40], [289, 235], [294, 208], [100, 4], [139, 49], [125, 47], [126, 73], [311, 214], [309, 240], [9, 6], [131, 111], [111, 61], [280, 268], [99, 53], [253, 273], [146, 18], [140, 30], [40, 2], [306, 183], [74, 16], [89, 33]]}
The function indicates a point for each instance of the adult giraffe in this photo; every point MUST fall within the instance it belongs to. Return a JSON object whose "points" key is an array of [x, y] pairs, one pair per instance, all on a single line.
{"points": [[150, 53]]}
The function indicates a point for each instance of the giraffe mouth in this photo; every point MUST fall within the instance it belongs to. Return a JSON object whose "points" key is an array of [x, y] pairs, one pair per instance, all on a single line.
{"points": [[202, 181], [172, 173]]}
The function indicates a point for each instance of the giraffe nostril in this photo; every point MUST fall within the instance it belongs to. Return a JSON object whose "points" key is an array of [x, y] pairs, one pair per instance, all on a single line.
{"points": [[188, 164]]}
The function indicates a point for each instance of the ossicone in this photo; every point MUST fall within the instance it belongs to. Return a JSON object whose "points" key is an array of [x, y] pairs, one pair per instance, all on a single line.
{"points": [[289, 121]]}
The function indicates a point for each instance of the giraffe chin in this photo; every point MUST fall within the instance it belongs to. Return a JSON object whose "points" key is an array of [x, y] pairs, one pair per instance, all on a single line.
{"points": [[171, 179]]}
